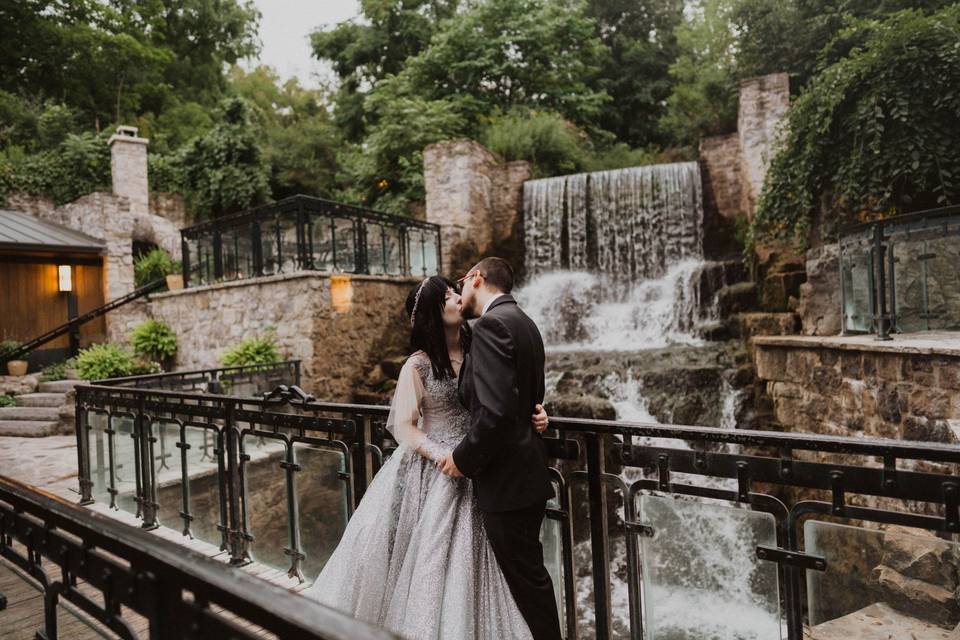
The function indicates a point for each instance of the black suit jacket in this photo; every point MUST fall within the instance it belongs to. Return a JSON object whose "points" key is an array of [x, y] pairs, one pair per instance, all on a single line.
{"points": [[501, 381]]}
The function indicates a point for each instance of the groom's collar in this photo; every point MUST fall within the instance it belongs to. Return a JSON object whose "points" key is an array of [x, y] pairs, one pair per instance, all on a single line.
{"points": [[497, 299]]}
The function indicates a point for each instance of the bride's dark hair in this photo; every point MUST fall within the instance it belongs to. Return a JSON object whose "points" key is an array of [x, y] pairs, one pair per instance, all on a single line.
{"points": [[426, 331]]}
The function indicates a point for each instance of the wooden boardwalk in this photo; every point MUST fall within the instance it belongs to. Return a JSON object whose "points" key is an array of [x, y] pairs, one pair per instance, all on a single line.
{"points": [[23, 616]]}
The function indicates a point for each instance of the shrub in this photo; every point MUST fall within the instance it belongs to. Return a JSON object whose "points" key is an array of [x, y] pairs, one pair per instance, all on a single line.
{"points": [[156, 264], [56, 371], [154, 339], [261, 349], [7, 401], [102, 361], [874, 134], [9, 345], [550, 143]]}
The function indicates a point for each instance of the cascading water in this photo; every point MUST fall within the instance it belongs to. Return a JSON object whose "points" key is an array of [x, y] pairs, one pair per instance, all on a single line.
{"points": [[615, 264]]}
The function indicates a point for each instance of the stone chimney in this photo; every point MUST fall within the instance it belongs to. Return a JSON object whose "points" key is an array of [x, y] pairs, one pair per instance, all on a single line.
{"points": [[128, 167]]}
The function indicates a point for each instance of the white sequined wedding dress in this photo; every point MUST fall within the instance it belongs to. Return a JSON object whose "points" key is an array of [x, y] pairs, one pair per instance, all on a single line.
{"points": [[414, 557]]}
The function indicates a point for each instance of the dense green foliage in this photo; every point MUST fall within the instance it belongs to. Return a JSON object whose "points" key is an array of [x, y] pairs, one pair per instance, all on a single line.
{"points": [[56, 371], [876, 132], [102, 361], [154, 340], [7, 401], [570, 85], [9, 345], [156, 264], [260, 349]]}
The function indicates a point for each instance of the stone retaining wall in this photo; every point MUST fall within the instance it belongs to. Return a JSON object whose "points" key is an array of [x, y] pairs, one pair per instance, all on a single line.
{"points": [[337, 340], [857, 388]]}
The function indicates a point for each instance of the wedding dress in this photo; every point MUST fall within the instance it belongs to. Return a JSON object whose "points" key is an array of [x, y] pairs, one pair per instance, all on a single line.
{"points": [[414, 557]]}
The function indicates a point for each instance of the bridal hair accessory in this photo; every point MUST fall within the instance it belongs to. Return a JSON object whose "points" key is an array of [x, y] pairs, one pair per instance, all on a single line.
{"points": [[416, 301]]}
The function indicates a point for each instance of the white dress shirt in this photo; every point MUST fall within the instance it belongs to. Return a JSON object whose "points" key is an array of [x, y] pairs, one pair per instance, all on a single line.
{"points": [[489, 302]]}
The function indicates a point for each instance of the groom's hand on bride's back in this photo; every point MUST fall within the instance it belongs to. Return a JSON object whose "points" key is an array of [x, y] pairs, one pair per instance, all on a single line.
{"points": [[448, 467]]}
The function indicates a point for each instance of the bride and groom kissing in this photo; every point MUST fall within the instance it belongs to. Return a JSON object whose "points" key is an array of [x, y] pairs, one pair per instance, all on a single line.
{"points": [[445, 543]]}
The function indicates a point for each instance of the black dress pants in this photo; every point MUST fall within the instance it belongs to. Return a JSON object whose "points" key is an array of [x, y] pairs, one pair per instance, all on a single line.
{"points": [[515, 539]]}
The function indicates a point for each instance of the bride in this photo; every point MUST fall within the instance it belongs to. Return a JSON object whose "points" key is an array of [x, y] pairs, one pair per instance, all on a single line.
{"points": [[414, 557]]}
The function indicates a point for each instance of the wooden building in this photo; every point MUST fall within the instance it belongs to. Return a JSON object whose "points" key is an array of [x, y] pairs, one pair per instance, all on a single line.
{"points": [[48, 274]]}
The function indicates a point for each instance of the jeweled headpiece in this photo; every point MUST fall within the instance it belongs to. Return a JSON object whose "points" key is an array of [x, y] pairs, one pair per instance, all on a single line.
{"points": [[416, 301]]}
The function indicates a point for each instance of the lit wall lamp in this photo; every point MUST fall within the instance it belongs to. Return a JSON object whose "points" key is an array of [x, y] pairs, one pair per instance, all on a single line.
{"points": [[64, 278]]}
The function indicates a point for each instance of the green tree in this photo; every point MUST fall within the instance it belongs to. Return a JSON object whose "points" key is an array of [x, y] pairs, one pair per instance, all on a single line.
{"points": [[704, 98], [378, 44], [875, 133], [223, 171]]}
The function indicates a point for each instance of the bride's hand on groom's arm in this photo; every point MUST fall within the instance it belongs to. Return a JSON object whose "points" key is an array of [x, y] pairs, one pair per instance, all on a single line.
{"points": [[540, 419], [448, 467]]}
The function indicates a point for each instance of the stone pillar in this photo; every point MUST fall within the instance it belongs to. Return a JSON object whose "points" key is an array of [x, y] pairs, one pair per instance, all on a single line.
{"points": [[763, 104], [477, 201], [128, 167]]}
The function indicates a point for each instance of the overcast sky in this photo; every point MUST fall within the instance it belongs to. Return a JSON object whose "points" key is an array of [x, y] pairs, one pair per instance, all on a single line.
{"points": [[284, 33]]}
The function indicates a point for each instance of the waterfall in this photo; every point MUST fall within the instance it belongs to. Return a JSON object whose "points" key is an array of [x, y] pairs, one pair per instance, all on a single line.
{"points": [[629, 223]]}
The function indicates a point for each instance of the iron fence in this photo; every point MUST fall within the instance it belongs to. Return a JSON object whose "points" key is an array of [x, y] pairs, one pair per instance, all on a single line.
{"points": [[306, 233], [244, 380], [100, 578], [653, 526], [902, 274]]}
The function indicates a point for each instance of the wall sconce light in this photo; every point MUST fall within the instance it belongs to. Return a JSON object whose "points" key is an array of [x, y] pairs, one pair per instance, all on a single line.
{"points": [[64, 278], [341, 293]]}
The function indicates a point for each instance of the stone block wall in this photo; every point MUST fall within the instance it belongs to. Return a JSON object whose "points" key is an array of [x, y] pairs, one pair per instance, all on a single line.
{"points": [[336, 346], [876, 391], [720, 167], [477, 200], [763, 104]]}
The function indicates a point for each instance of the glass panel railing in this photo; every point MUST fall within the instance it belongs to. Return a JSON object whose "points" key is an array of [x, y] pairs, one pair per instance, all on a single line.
{"points": [[893, 583], [322, 502], [701, 575], [265, 501], [124, 462], [856, 265], [551, 537]]}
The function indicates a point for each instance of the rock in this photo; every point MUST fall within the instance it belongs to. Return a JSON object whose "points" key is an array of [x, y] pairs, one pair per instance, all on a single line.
{"points": [[922, 557], [876, 622], [376, 377], [925, 601], [778, 288], [714, 331], [819, 296], [736, 298], [581, 406], [16, 385], [766, 324]]}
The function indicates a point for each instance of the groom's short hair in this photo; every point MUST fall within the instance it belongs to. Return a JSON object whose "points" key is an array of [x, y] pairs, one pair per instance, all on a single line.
{"points": [[497, 272]]}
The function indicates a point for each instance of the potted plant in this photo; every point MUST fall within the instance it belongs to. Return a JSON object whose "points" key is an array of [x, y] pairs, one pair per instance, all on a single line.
{"points": [[157, 264], [14, 367]]}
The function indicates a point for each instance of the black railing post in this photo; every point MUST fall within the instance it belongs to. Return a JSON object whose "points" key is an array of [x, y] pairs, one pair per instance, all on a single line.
{"points": [[217, 254], [148, 471], [236, 539], [599, 536], [185, 259], [83, 452], [360, 232], [255, 241], [883, 328], [303, 259], [439, 253]]}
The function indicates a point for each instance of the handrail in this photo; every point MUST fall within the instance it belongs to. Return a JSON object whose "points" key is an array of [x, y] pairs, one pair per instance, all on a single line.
{"points": [[151, 577], [68, 326], [205, 375], [787, 475]]}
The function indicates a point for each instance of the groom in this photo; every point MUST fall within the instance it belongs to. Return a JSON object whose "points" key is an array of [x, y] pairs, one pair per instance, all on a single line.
{"points": [[500, 383]]}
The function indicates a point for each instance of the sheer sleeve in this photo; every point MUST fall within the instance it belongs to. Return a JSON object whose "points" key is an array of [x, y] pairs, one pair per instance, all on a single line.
{"points": [[405, 413]]}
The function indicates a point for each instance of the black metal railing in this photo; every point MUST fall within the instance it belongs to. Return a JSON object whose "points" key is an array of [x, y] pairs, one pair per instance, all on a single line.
{"points": [[900, 274], [306, 233], [245, 380], [646, 516], [101, 578]]}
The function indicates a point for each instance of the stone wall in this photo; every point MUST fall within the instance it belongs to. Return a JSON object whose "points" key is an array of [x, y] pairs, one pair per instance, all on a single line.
{"points": [[477, 200], [720, 166], [858, 388], [819, 303], [763, 104], [337, 346]]}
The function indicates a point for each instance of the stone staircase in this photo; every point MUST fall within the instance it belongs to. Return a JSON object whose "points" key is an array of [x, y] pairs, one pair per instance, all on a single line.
{"points": [[40, 413]]}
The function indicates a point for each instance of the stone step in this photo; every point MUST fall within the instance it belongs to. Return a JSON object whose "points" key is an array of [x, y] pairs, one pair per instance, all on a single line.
{"points": [[29, 413], [41, 399], [28, 428], [58, 386]]}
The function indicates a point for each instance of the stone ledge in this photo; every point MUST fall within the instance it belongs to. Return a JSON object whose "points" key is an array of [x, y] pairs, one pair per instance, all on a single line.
{"points": [[946, 343], [280, 277]]}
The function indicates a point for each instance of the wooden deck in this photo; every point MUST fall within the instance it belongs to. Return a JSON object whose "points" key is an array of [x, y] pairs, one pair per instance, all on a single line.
{"points": [[23, 615]]}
